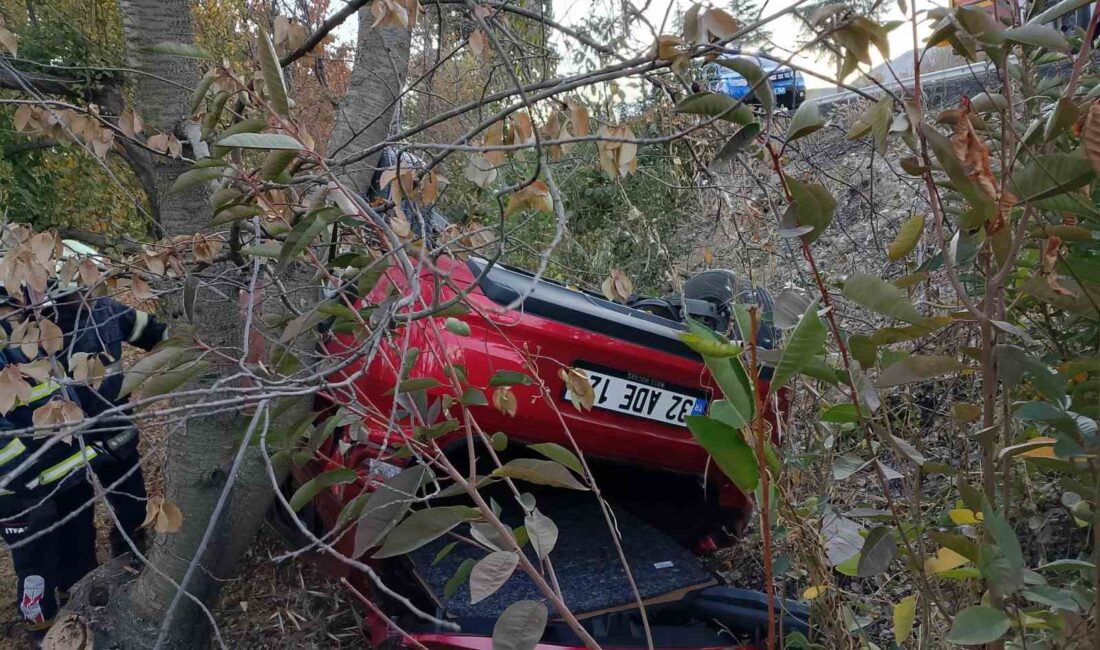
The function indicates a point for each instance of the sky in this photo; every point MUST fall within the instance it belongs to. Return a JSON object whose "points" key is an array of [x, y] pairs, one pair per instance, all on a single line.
{"points": [[785, 30]]}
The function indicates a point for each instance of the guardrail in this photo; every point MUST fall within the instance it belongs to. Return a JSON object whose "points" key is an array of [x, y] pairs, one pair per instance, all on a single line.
{"points": [[980, 69]]}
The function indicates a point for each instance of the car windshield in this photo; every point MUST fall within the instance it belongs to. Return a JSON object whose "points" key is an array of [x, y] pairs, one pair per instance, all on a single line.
{"points": [[765, 64]]}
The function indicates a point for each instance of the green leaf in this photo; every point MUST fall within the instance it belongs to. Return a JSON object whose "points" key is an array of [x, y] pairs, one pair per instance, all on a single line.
{"points": [[540, 472], [305, 231], [424, 526], [164, 383], [743, 138], [443, 552], [1053, 597], [276, 163], [1050, 175], [415, 384], [311, 488], [715, 105], [978, 624], [1037, 35], [473, 397], [880, 296], [729, 450], [839, 414], [152, 364], [193, 177], [186, 50], [805, 121], [1002, 562], [274, 85], [260, 141], [805, 342], [758, 80], [520, 627], [460, 576], [877, 553], [1064, 115], [813, 206], [908, 236], [1059, 10], [455, 326], [918, 368], [490, 573], [542, 531], [556, 452], [876, 119], [201, 89], [509, 378], [498, 441], [724, 412], [863, 349], [729, 374], [253, 125], [905, 613]]}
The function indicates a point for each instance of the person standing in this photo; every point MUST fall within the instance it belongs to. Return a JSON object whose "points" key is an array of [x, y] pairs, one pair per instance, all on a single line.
{"points": [[98, 328]]}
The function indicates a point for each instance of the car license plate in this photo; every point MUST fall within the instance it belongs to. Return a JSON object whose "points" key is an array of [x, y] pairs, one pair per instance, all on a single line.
{"points": [[780, 91], [642, 397]]}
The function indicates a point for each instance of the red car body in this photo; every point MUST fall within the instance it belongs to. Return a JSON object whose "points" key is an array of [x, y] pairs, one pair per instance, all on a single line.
{"points": [[554, 328]]}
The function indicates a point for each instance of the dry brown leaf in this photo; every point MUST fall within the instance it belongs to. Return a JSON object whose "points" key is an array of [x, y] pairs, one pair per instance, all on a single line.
{"points": [[1048, 264], [618, 158], [505, 401], [400, 226], [1091, 135], [71, 632], [524, 128], [618, 286], [720, 24], [55, 414], [25, 120], [694, 32], [129, 123], [51, 338], [578, 117], [429, 188], [140, 289], [39, 370], [169, 519], [152, 507], [535, 196], [158, 142], [25, 335], [13, 388], [482, 12], [667, 47], [175, 147], [480, 171], [9, 41], [280, 30], [580, 389], [973, 152], [494, 137], [206, 248], [479, 45]]}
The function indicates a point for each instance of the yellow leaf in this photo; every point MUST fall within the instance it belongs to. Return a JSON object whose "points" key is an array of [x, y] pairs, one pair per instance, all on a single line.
{"points": [[907, 239], [965, 517], [494, 137], [505, 401], [905, 612], [944, 560], [813, 592], [525, 131], [1045, 448]]}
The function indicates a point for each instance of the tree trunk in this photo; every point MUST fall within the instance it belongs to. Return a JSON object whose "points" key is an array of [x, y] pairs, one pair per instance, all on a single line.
{"points": [[363, 120], [201, 448], [130, 612]]}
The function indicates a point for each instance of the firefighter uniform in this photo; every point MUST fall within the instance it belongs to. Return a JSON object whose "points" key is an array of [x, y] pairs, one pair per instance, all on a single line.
{"points": [[46, 509], [100, 326]]}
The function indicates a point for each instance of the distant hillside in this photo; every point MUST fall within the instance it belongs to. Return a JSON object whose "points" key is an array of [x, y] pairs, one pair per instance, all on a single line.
{"points": [[938, 58]]}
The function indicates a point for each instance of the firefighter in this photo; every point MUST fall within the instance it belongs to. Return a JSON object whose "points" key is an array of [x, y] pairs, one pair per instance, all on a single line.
{"points": [[46, 508], [100, 327]]}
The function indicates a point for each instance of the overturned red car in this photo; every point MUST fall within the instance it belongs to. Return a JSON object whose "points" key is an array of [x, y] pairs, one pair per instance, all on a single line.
{"points": [[522, 335]]}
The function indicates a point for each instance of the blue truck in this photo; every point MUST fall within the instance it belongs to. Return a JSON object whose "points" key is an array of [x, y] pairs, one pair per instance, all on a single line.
{"points": [[788, 85]]}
